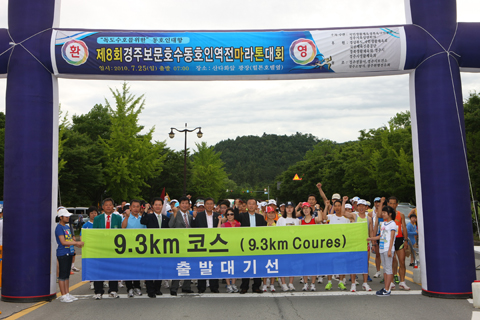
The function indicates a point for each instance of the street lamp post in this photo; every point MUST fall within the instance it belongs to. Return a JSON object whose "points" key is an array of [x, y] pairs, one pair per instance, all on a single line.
{"points": [[172, 135]]}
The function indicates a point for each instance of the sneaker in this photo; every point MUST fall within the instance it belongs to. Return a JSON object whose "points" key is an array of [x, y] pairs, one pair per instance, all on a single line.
{"points": [[392, 286], [320, 279], [235, 289], [229, 289], [272, 288], [369, 279], [120, 284], [264, 288], [105, 284], [92, 287], [71, 272], [114, 295], [305, 287], [403, 286], [353, 287], [341, 286], [65, 298], [383, 292], [301, 279], [366, 287], [328, 286], [291, 287], [97, 296], [71, 297], [137, 292], [312, 287], [75, 269], [377, 274], [130, 293], [284, 287], [396, 279]]}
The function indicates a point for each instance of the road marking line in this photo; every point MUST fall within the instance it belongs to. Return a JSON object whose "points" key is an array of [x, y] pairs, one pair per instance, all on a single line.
{"points": [[39, 304], [75, 286], [256, 295], [475, 315], [408, 278], [408, 271], [26, 311]]}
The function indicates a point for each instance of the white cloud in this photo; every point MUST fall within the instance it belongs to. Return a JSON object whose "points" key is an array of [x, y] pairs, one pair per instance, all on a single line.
{"points": [[329, 108]]}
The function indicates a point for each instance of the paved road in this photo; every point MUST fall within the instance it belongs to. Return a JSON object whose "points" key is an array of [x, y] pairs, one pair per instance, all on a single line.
{"points": [[278, 305]]}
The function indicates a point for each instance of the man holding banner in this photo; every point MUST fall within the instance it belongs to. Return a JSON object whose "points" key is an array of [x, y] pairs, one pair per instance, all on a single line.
{"points": [[206, 219], [181, 219], [107, 220], [251, 219]]}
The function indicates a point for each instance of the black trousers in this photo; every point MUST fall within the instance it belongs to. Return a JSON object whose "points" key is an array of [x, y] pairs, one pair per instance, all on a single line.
{"points": [[246, 283], [153, 286], [132, 284], [112, 286], [202, 284], [175, 283]]}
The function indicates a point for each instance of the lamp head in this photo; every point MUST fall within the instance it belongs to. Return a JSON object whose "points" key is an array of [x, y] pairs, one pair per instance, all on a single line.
{"points": [[200, 134], [171, 134]]}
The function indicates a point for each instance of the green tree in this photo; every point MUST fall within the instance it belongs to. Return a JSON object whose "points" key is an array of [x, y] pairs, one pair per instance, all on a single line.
{"points": [[130, 158], [82, 181], [472, 129], [208, 176], [171, 177]]}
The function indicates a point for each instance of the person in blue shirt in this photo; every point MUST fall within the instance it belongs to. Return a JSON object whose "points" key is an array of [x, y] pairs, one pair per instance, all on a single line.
{"points": [[132, 221], [65, 251], [412, 230], [92, 212]]}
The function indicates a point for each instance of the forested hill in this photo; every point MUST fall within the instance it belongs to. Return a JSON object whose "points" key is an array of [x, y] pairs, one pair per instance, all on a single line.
{"points": [[253, 160]]}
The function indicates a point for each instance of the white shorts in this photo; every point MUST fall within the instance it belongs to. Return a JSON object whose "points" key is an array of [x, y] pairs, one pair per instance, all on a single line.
{"points": [[387, 262]]}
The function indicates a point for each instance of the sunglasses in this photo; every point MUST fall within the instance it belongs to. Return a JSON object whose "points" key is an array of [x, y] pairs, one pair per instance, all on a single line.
{"points": [[230, 214]]}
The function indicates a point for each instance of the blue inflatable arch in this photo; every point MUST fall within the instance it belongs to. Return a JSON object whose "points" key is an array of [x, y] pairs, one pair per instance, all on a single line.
{"points": [[432, 47]]}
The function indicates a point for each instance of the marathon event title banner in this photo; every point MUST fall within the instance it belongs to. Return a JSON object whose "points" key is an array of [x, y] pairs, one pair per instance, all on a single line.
{"points": [[202, 253], [227, 55]]}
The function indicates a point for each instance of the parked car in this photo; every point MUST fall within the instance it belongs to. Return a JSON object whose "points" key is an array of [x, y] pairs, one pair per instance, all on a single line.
{"points": [[76, 212]]}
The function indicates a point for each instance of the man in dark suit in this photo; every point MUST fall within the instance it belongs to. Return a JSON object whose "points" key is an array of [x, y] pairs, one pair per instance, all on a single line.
{"points": [[181, 218], [206, 219], [155, 220], [107, 220], [251, 219]]}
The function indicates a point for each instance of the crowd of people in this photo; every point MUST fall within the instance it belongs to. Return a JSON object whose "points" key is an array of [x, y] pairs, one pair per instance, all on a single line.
{"points": [[387, 234]]}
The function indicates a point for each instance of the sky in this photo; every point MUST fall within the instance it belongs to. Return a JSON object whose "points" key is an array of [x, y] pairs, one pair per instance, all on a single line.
{"points": [[335, 109]]}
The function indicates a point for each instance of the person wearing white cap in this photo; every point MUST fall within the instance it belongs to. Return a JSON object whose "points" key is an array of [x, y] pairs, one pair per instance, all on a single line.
{"points": [[362, 217], [65, 244]]}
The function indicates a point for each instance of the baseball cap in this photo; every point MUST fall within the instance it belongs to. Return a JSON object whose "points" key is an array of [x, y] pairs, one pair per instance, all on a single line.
{"points": [[305, 204], [361, 201], [200, 203], [289, 203], [377, 199], [336, 196], [368, 203], [63, 213], [272, 202], [263, 204], [281, 204], [355, 199], [270, 209], [348, 206]]}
